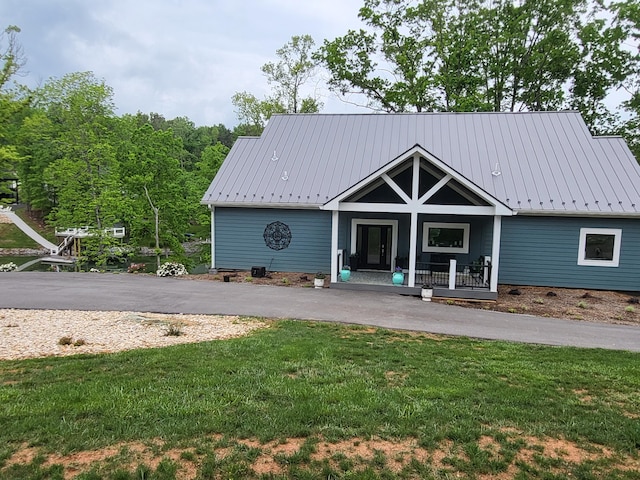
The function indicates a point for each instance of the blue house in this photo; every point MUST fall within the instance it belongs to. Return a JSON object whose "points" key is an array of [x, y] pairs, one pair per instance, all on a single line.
{"points": [[462, 201]]}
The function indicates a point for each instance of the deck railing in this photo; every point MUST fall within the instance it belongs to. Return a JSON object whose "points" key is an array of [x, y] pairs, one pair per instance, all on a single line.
{"points": [[81, 232], [441, 275]]}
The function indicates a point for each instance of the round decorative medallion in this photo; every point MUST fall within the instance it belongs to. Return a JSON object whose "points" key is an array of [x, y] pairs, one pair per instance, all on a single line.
{"points": [[277, 236]]}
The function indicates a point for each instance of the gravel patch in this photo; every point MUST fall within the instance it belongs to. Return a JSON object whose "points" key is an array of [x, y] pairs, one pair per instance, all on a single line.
{"points": [[44, 333]]}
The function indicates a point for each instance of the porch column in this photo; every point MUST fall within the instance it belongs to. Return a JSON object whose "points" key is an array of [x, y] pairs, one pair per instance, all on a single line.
{"points": [[495, 252], [413, 248], [213, 268], [413, 234], [334, 245]]}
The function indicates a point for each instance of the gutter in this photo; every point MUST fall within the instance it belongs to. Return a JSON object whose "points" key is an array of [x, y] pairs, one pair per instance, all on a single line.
{"points": [[560, 213], [296, 206]]}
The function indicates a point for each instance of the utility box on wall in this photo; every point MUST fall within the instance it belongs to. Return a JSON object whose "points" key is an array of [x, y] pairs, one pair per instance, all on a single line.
{"points": [[258, 272]]}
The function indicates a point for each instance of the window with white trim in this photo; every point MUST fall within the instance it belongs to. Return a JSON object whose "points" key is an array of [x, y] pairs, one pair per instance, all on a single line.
{"points": [[445, 237], [599, 247]]}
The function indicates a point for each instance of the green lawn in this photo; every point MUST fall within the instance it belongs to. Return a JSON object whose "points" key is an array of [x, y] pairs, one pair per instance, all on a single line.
{"points": [[475, 409], [12, 237], [47, 232]]}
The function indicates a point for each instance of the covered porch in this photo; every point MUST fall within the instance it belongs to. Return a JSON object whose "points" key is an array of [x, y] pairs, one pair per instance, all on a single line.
{"points": [[422, 219], [452, 280]]}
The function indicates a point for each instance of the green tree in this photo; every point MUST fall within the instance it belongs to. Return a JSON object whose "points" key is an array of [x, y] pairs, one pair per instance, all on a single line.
{"points": [[254, 113], [627, 17], [11, 106], [205, 171], [12, 57], [475, 55], [10, 109], [288, 76], [154, 186], [38, 147], [456, 54], [83, 178], [528, 53], [605, 66], [295, 67], [392, 63], [194, 139]]}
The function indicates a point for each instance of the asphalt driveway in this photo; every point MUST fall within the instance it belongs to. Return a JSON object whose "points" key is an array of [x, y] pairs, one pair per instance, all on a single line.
{"points": [[146, 293]]}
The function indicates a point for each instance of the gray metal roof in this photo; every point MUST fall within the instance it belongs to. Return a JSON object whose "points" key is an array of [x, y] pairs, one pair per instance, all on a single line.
{"points": [[549, 162]]}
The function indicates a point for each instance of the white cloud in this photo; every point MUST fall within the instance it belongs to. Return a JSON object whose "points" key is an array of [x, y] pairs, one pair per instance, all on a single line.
{"points": [[176, 58]]}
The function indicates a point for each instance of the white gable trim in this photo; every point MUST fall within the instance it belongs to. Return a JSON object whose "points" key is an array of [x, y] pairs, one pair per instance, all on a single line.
{"points": [[395, 187], [497, 207], [432, 191], [428, 209]]}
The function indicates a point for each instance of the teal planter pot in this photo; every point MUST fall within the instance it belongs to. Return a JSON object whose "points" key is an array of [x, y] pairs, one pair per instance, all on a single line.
{"points": [[345, 275], [398, 278]]}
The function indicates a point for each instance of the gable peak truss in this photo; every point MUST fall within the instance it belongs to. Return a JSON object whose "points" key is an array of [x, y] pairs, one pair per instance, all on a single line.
{"points": [[418, 182]]}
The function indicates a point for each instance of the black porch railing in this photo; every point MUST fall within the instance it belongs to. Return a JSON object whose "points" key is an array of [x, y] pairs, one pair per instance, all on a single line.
{"points": [[467, 276]]}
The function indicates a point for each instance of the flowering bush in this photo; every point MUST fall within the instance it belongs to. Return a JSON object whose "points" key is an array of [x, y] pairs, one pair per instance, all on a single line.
{"points": [[8, 267], [136, 268], [171, 269]]}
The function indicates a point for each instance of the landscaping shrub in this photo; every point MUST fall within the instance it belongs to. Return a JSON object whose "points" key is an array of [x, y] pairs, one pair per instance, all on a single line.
{"points": [[171, 269]]}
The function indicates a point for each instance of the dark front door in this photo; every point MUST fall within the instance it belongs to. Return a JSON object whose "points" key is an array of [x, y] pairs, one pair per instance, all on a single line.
{"points": [[374, 246]]}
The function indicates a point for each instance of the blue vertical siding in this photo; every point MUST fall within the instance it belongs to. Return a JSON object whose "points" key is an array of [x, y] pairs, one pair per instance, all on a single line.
{"points": [[239, 242], [534, 250], [543, 251]]}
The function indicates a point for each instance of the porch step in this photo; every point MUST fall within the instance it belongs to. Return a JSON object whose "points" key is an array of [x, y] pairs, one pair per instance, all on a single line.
{"points": [[369, 287], [462, 293]]}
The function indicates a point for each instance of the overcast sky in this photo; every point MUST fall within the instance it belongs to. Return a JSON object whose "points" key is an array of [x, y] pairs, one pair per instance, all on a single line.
{"points": [[173, 57]]}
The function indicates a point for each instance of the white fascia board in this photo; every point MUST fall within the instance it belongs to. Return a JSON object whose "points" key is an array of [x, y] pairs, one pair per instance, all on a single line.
{"points": [[504, 211], [458, 210], [427, 209], [294, 206], [374, 207], [574, 213]]}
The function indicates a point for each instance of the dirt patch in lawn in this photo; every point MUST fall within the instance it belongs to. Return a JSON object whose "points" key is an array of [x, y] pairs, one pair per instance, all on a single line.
{"points": [[573, 304], [404, 457]]}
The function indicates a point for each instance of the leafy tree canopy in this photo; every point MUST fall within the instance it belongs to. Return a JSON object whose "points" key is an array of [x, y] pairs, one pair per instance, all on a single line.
{"points": [[12, 106], [296, 66], [485, 55]]}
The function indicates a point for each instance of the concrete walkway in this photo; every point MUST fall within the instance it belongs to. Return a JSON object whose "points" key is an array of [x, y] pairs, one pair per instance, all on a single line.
{"points": [[35, 236], [146, 293]]}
